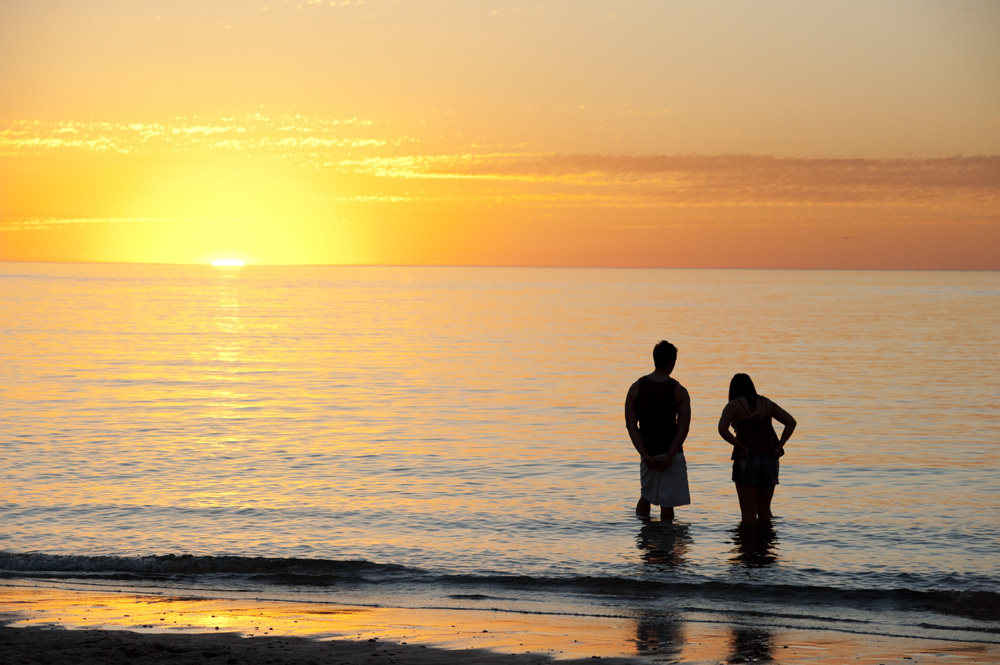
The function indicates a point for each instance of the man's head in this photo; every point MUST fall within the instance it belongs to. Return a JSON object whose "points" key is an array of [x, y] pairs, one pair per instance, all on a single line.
{"points": [[664, 355]]}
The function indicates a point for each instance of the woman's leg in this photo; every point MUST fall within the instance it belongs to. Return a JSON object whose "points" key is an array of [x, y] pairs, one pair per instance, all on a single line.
{"points": [[764, 495], [748, 502]]}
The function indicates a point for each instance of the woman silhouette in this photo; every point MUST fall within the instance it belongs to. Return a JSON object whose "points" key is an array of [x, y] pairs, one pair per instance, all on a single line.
{"points": [[756, 447]]}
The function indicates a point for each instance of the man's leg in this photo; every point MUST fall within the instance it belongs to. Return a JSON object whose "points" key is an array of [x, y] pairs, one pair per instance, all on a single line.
{"points": [[666, 513], [642, 508]]}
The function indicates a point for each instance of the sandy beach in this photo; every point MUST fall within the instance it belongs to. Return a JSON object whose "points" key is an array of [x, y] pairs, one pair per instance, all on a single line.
{"points": [[52, 625], [101, 647]]}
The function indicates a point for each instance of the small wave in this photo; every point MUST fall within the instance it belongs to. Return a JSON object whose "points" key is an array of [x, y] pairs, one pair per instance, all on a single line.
{"points": [[981, 605], [279, 570]]}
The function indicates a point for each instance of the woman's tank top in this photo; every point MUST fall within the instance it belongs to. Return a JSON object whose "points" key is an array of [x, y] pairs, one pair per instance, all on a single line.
{"points": [[755, 431], [656, 407]]}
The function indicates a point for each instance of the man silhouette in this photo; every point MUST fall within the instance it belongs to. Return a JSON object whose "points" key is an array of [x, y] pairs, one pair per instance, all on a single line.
{"points": [[657, 417]]}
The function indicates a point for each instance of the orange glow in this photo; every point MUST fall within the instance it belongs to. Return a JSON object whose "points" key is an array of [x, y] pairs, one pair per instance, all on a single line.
{"points": [[183, 135]]}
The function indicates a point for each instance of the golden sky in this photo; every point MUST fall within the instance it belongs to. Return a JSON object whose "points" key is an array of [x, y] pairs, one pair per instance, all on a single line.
{"points": [[717, 133]]}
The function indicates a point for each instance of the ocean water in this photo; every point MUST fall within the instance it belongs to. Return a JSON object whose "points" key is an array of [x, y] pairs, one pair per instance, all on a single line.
{"points": [[454, 437]]}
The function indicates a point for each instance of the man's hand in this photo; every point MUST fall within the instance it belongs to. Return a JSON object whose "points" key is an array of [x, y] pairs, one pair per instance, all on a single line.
{"points": [[662, 464]]}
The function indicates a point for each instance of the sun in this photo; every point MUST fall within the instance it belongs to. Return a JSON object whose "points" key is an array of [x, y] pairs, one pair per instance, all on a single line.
{"points": [[228, 262]]}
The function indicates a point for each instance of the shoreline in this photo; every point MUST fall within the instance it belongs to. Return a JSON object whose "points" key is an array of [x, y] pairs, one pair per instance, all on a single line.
{"points": [[55, 625]]}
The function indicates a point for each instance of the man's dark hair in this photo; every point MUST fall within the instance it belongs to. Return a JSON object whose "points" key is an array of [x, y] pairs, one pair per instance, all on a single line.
{"points": [[664, 354]]}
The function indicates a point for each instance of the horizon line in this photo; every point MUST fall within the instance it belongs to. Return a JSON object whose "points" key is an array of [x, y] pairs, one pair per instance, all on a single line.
{"points": [[491, 266]]}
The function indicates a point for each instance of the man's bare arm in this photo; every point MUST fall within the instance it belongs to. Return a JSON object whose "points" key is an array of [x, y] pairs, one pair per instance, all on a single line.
{"points": [[683, 423], [632, 425]]}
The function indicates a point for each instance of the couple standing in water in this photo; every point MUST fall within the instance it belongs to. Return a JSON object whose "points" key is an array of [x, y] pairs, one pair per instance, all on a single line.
{"points": [[658, 416]]}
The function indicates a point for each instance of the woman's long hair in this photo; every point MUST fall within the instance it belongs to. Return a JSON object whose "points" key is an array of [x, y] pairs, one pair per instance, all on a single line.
{"points": [[742, 386]]}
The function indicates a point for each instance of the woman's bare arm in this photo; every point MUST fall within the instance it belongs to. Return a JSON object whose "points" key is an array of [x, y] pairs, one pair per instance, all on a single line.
{"points": [[725, 423], [785, 419]]}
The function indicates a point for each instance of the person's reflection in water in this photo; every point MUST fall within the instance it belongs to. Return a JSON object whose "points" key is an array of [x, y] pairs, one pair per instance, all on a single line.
{"points": [[663, 543], [756, 545], [751, 645], [660, 637]]}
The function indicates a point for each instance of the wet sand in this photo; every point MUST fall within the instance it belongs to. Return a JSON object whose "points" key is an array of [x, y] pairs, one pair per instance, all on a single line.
{"points": [[52, 625]]}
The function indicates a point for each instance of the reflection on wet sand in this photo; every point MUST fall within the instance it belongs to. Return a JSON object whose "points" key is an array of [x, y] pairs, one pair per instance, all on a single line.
{"points": [[662, 637], [755, 545], [751, 645]]}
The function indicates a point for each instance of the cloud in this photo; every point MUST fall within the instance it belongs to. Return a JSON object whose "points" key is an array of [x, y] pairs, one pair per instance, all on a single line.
{"points": [[48, 223], [36, 223], [253, 133], [719, 179], [358, 147]]}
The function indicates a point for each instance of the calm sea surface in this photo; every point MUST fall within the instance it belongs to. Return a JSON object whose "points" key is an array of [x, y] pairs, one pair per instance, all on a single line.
{"points": [[455, 436]]}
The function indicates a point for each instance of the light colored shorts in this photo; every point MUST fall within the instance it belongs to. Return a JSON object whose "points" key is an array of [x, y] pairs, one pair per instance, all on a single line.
{"points": [[666, 488]]}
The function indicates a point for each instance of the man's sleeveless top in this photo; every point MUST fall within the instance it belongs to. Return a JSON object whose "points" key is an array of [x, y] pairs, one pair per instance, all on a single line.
{"points": [[755, 431], [656, 407]]}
